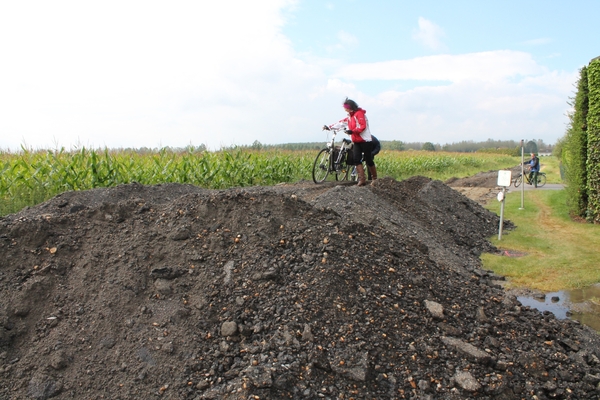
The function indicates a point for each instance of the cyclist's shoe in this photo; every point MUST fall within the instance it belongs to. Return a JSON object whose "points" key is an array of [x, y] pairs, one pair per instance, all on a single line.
{"points": [[360, 170], [373, 172]]}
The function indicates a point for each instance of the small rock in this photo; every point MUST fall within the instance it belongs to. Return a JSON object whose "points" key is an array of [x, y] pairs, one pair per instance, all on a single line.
{"points": [[466, 381], [181, 234], [481, 317], [229, 328], [502, 365], [471, 351], [435, 309], [449, 329], [59, 360], [163, 287], [107, 342], [259, 376], [307, 335], [549, 386], [203, 384], [353, 364], [227, 269]]}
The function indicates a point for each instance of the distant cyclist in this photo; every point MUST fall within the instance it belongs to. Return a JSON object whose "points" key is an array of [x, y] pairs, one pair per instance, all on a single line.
{"points": [[534, 168]]}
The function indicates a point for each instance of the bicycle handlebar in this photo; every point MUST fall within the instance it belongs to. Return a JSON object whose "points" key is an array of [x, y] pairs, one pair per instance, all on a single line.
{"points": [[326, 128]]}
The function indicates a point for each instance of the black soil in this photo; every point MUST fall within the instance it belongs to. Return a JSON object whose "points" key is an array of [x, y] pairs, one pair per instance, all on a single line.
{"points": [[294, 291]]}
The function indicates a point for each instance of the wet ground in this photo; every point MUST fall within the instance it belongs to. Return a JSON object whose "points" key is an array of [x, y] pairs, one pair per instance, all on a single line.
{"points": [[582, 305]]}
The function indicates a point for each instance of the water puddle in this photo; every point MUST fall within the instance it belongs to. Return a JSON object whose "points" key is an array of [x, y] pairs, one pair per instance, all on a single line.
{"points": [[582, 305]]}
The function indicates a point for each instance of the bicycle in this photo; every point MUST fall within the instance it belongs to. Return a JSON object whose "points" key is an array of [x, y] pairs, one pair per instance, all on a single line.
{"points": [[332, 160], [540, 177]]}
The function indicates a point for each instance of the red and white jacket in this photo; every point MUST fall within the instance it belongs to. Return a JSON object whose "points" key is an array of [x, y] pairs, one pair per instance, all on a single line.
{"points": [[359, 125]]}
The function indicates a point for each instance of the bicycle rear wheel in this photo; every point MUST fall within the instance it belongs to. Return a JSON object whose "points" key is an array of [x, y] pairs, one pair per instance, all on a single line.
{"points": [[321, 166], [353, 173], [541, 180], [518, 180], [341, 168]]}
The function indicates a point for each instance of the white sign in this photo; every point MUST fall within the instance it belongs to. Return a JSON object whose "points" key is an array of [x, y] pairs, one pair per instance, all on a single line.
{"points": [[504, 178]]}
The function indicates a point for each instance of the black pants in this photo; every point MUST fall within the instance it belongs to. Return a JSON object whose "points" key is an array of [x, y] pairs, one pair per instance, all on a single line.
{"points": [[533, 177], [364, 151]]}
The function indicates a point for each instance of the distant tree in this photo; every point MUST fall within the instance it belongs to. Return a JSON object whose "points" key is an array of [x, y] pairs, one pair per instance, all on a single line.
{"points": [[531, 147], [428, 146], [413, 145], [394, 145], [256, 145]]}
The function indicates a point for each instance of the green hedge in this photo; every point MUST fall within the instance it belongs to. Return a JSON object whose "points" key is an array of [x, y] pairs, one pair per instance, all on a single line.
{"points": [[574, 153], [593, 137]]}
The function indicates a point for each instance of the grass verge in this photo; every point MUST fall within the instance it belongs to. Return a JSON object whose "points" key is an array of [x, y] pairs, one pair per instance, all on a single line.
{"points": [[560, 253]]}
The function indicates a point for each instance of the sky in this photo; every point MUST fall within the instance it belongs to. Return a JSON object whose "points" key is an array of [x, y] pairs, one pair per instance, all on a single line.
{"points": [[133, 74]]}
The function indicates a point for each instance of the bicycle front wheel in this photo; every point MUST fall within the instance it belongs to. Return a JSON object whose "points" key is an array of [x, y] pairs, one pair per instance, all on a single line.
{"points": [[518, 180], [541, 180], [321, 166]]}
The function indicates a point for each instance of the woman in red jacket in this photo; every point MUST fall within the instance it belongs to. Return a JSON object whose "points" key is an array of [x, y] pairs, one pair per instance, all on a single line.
{"points": [[357, 126]]}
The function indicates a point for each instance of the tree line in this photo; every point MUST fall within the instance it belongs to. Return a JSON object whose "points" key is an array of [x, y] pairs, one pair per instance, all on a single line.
{"points": [[465, 146]]}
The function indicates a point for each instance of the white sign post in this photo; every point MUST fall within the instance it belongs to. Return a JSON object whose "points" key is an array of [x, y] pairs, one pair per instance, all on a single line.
{"points": [[504, 179], [522, 176]]}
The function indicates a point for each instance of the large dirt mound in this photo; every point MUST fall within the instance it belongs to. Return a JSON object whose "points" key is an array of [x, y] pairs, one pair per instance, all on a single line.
{"points": [[293, 291], [481, 187]]}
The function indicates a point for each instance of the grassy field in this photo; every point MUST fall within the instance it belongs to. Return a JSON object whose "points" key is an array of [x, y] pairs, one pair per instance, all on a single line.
{"points": [[560, 253], [31, 177]]}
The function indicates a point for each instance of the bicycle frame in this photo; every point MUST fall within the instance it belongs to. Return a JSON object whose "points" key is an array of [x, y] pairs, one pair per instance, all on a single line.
{"points": [[540, 177], [325, 163]]}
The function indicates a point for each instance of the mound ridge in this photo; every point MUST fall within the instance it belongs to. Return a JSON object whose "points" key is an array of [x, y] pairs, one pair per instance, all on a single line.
{"points": [[291, 291]]}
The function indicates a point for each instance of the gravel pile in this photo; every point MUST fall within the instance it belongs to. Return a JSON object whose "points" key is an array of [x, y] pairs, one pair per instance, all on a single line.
{"points": [[296, 291]]}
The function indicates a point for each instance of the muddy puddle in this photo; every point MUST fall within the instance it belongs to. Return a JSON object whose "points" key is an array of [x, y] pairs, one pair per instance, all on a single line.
{"points": [[582, 305]]}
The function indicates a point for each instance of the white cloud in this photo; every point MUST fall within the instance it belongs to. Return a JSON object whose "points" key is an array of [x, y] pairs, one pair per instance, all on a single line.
{"points": [[429, 34], [134, 73], [499, 95], [484, 66], [347, 39], [533, 107]]}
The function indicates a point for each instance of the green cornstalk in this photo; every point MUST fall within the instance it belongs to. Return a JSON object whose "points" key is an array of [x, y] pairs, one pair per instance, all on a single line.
{"points": [[30, 177]]}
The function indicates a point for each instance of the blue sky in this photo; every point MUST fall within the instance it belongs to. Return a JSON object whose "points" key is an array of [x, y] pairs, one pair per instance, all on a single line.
{"points": [[150, 74]]}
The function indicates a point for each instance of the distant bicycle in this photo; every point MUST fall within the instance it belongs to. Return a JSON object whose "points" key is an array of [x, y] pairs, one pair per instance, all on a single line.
{"points": [[541, 179], [332, 160]]}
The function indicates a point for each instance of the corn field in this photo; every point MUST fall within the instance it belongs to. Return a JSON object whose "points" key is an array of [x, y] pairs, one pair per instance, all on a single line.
{"points": [[31, 177]]}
